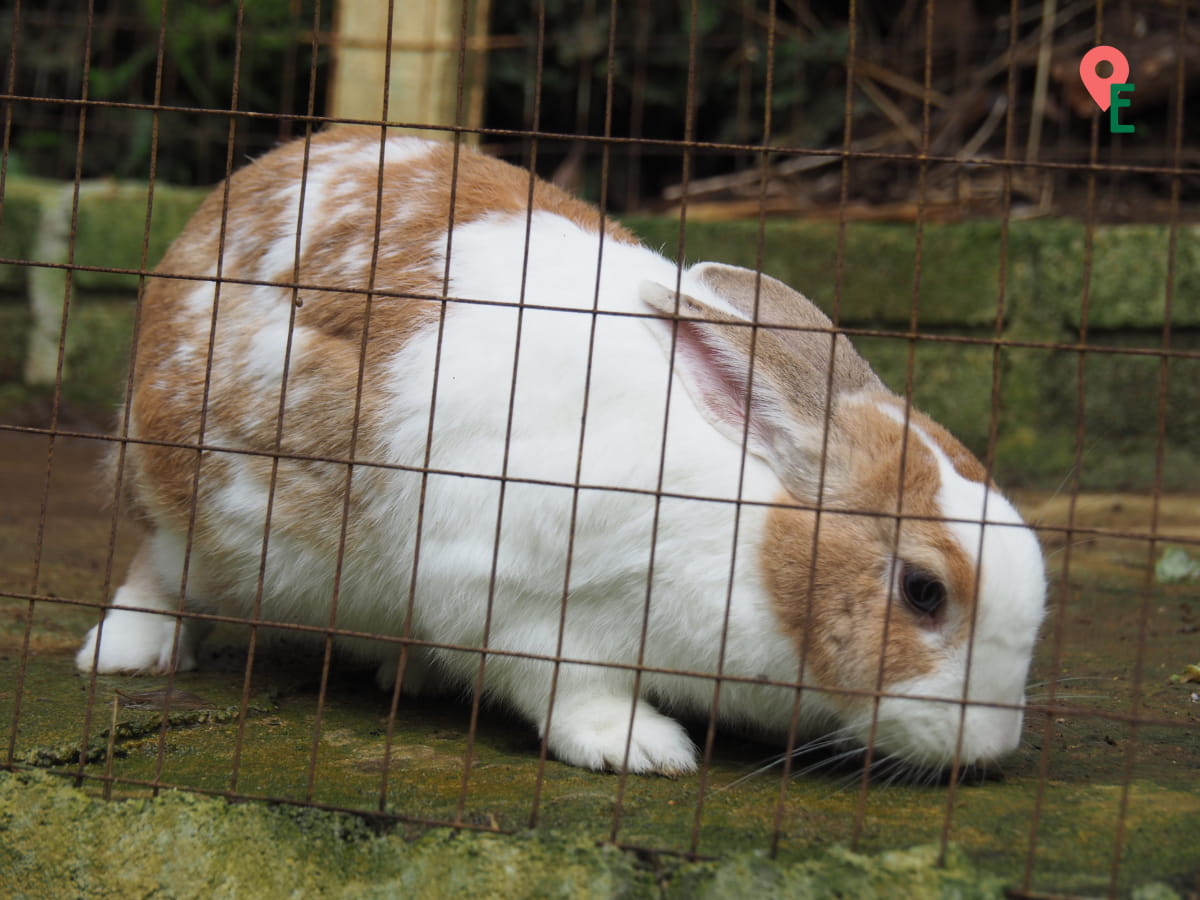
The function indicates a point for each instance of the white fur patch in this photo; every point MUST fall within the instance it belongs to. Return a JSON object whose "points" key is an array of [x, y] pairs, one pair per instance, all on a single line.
{"points": [[622, 444]]}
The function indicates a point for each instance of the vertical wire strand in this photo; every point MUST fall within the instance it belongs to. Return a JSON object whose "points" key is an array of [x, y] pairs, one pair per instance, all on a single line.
{"points": [[760, 240], [59, 366], [1060, 609], [273, 479], [605, 154], [839, 268], [996, 392], [478, 688], [544, 743], [287, 98], [637, 103], [997, 331], [122, 444], [189, 541], [369, 299], [493, 575], [402, 659], [444, 302], [1147, 587], [689, 126], [11, 87], [406, 630], [860, 811]]}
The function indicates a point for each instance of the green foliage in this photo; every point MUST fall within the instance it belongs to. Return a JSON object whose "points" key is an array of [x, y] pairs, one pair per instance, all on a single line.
{"points": [[162, 77], [150, 54], [725, 52]]}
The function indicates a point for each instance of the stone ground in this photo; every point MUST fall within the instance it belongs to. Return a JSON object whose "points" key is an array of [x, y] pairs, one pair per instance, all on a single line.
{"points": [[1086, 798]]}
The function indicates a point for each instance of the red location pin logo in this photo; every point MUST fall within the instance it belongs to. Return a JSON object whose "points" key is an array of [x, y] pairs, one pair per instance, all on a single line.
{"points": [[1097, 86]]}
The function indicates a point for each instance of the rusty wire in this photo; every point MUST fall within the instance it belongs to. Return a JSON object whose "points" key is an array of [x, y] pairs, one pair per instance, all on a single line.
{"points": [[1134, 718]]}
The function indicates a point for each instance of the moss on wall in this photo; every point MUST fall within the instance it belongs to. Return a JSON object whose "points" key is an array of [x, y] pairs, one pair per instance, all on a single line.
{"points": [[954, 369]]}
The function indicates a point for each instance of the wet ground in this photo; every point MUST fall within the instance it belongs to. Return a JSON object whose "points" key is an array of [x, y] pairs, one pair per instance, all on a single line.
{"points": [[1088, 794]]}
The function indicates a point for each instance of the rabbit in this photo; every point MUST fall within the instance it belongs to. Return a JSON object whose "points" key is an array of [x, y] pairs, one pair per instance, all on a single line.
{"points": [[505, 423]]}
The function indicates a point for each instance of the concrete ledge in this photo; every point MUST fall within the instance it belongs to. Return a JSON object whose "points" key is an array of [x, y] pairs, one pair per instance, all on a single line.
{"points": [[56, 839], [101, 225], [110, 225], [20, 214], [960, 269]]}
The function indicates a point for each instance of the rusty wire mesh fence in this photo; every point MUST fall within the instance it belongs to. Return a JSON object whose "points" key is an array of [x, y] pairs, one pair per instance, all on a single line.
{"points": [[385, 409]]}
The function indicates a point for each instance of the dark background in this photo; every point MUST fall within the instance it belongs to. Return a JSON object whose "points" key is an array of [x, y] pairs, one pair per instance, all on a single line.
{"points": [[736, 61]]}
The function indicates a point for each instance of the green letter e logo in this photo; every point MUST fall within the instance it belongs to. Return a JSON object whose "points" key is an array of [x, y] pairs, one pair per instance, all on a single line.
{"points": [[1117, 101]]}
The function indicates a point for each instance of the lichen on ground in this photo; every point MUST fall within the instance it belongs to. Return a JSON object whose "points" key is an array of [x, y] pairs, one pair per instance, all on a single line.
{"points": [[1084, 788]]}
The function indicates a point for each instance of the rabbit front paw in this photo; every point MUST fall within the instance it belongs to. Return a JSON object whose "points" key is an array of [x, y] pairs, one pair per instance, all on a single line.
{"points": [[593, 732], [137, 642]]}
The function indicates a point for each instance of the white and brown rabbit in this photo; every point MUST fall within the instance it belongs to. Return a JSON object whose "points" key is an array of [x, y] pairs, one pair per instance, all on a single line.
{"points": [[566, 428]]}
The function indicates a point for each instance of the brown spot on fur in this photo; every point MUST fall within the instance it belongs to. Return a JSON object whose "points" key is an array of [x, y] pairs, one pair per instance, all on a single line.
{"points": [[487, 186], [839, 623]]}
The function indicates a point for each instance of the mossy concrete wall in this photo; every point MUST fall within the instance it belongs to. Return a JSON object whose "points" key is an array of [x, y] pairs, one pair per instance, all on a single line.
{"points": [[57, 842], [1037, 285], [84, 247], [1045, 288]]}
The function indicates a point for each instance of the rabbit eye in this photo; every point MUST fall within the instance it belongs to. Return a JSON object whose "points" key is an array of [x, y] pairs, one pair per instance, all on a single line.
{"points": [[923, 593]]}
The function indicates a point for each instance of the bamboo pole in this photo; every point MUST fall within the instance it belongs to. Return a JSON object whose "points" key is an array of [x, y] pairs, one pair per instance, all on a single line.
{"points": [[422, 84]]}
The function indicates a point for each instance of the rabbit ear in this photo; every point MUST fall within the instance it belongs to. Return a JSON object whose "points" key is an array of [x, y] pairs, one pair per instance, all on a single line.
{"points": [[806, 332], [786, 400]]}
